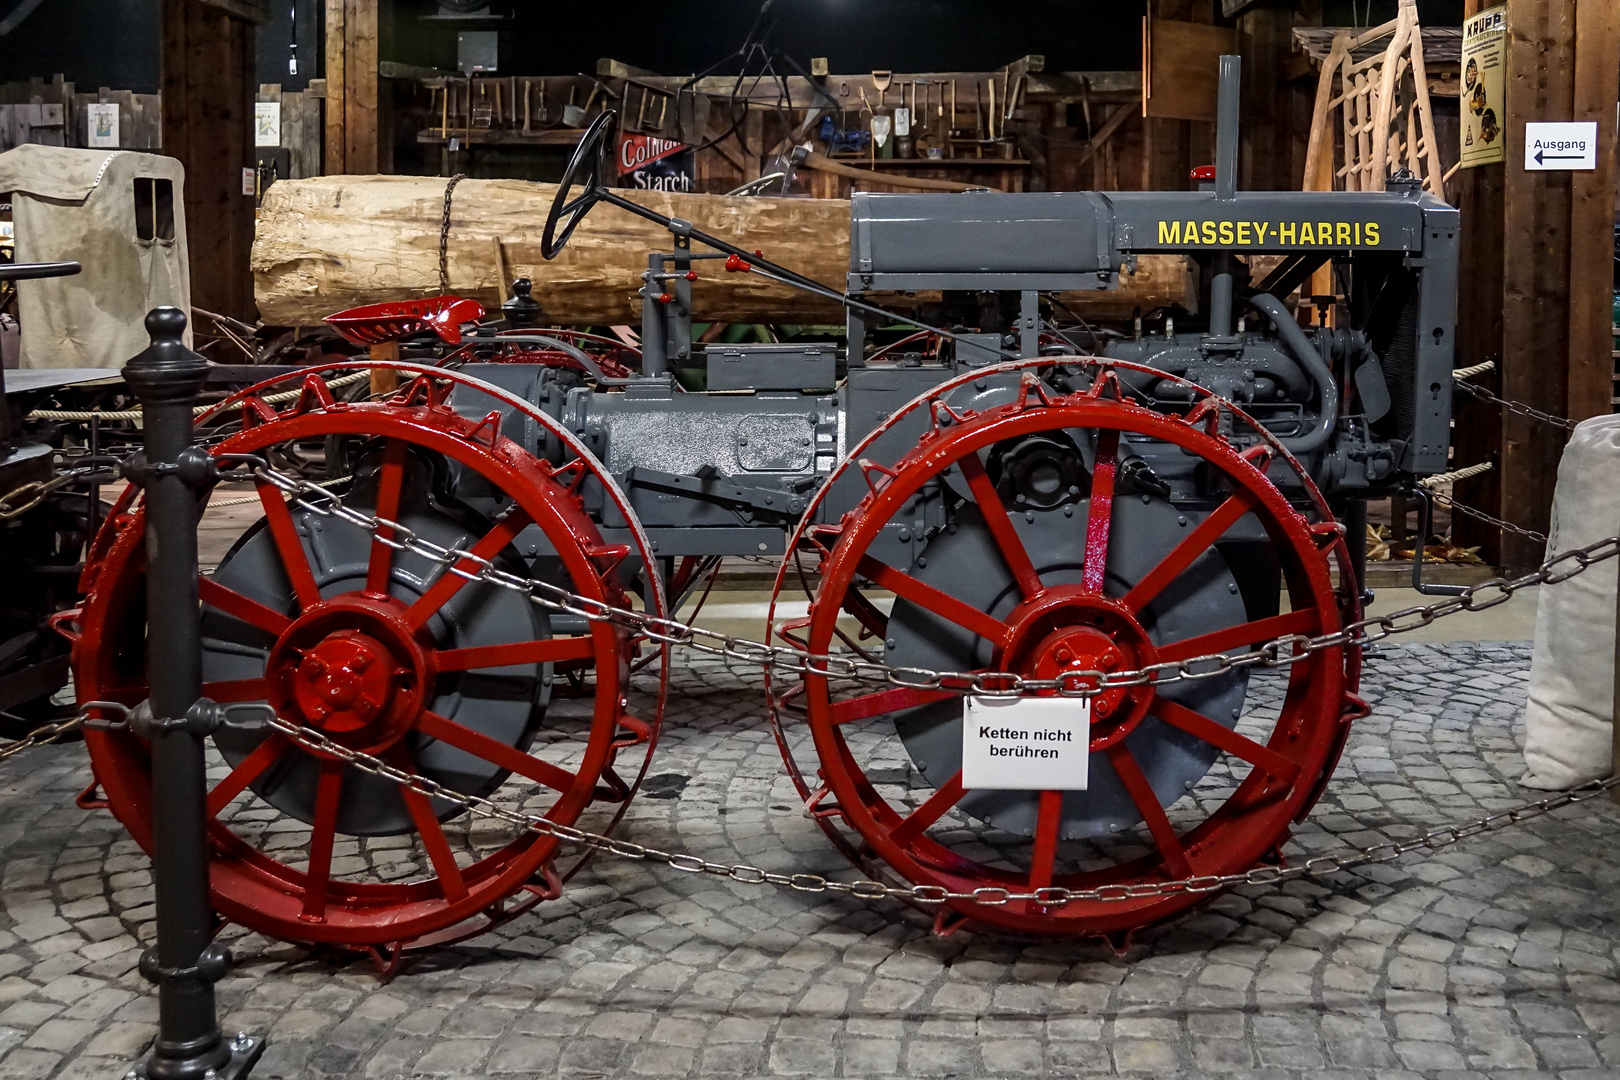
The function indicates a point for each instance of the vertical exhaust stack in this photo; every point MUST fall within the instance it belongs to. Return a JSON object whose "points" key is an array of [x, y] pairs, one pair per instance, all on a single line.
{"points": [[1226, 168]]}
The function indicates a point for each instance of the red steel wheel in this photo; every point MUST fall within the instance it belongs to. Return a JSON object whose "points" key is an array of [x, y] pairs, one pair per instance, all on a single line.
{"points": [[390, 653], [1106, 574]]}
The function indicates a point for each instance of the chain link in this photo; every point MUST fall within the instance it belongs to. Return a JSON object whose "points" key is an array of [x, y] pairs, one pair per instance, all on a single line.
{"points": [[444, 234], [1051, 896], [1480, 515], [1278, 653], [1514, 406], [46, 734], [19, 500]]}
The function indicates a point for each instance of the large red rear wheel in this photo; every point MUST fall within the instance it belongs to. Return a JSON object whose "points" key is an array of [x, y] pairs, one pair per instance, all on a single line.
{"points": [[1035, 537], [391, 653]]}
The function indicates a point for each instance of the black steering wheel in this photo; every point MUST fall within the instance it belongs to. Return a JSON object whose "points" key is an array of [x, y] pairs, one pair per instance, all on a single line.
{"points": [[585, 168]]}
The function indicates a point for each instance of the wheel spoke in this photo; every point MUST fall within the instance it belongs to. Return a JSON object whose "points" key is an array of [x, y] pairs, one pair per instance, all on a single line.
{"points": [[876, 704], [323, 835], [293, 557], [238, 606], [251, 768], [229, 690], [932, 809], [1303, 621], [1195, 544], [1224, 738], [1147, 804], [451, 883], [940, 603], [1043, 860], [449, 582], [539, 651], [507, 757], [868, 614], [389, 483], [1100, 516], [1000, 526]]}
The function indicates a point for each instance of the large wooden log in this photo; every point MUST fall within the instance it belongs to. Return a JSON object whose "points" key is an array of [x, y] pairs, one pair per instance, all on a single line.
{"points": [[332, 242]]}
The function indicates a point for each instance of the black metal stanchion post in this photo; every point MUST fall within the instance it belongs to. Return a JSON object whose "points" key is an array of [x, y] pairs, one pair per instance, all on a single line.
{"points": [[185, 963]]}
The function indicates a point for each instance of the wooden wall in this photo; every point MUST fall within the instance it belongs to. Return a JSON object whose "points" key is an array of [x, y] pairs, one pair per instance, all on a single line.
{"points": [[208, 87], [1279, 90], [52, 113], [301, 125], [1535, 289]]}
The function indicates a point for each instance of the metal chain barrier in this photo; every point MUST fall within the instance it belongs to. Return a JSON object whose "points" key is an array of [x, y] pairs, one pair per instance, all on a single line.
{"points": [[1053, 896], [444, 234], [1480, 515], [1512, 406], [1278, 653], [51, 733], [322, 745], [20, 500]]}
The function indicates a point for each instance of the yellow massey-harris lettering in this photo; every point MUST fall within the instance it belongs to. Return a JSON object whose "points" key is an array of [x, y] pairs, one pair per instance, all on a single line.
{"points": [[1347, 234]]}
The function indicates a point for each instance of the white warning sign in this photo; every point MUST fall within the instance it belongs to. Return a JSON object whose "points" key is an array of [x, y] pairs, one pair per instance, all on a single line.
{"points": [[1026, 744]]}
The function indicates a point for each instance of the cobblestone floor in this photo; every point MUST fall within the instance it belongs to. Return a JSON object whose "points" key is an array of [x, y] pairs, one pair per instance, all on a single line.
{"points": [[1495, 959]]}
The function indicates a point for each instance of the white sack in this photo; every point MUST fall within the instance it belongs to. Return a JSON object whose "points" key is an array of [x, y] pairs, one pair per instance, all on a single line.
{"points": [[1568, 725]]}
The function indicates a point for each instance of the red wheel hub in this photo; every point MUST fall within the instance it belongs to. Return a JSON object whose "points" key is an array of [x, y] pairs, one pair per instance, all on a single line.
{"points": [[343, 683], [350, 667], [1069, 629]]}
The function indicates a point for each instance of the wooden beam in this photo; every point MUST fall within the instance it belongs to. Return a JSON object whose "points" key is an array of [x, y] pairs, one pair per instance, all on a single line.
{"points": [[354, 131], [253, 12], [1592, 205], [1116, 118], [1536, 265], [1170, 146], [208, 87], [337, 142]]}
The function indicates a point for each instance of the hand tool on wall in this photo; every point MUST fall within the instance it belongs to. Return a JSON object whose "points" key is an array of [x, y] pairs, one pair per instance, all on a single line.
{"points": [[978, 111], [572, 115], [881, 81], [528, 113], [1015, 95]]}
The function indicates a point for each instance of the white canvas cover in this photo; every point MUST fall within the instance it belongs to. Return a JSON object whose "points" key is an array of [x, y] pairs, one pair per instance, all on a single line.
{"points": [[82, 205], [1568, 726]]}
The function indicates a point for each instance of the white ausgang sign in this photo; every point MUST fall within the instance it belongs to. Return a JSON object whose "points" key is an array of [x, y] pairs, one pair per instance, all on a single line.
{"points": [[1024, 744], [1560, 146]]}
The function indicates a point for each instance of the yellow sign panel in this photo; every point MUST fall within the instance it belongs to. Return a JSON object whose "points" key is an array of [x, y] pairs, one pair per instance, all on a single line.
{"points": [[1209, 232], [1484, 57]]}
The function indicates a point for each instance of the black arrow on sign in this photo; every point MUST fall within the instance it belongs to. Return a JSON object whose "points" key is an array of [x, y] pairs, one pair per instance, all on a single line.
{"points": [[1540, 160]]}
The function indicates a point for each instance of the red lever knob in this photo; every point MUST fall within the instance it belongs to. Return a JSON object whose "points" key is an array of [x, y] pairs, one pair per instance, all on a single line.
{"points": [[665, 298], [691, 275], [735, 264]]}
